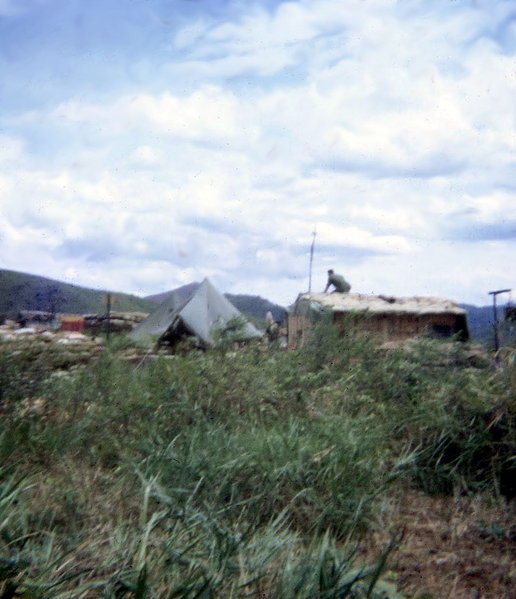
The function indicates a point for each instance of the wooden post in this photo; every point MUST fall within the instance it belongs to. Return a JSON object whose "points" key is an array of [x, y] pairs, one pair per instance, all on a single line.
{"points": [[495, 311], [108, 317]]}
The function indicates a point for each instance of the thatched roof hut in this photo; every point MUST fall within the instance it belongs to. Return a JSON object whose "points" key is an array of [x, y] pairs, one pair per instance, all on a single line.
{"points": [[392, 318]]}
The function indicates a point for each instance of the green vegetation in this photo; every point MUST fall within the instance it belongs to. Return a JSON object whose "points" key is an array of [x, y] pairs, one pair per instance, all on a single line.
{"points": [[237, 473], [19, 291], [481, 325], [257, 307]]}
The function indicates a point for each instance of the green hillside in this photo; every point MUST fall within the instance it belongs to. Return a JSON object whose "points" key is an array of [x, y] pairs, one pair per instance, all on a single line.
{"points": [[257, 307], [481, 325], [20, 291]]}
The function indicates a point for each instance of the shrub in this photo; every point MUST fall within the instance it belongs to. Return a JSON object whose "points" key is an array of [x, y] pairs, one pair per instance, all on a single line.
{"points": [[238, 472]]}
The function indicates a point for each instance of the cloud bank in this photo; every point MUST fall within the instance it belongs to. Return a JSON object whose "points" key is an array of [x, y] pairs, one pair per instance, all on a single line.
{"points": [[211, 138]]}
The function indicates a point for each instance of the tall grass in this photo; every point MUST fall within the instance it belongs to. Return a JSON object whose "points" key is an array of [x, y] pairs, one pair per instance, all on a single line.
{"points": [[231, 474]]}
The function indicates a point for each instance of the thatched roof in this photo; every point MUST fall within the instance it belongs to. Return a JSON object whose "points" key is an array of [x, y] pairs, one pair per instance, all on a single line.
{"points": [[377, 304]]}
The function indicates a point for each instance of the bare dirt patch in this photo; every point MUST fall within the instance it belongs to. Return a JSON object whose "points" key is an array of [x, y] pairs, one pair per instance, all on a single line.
{"points": [[455, 547]]}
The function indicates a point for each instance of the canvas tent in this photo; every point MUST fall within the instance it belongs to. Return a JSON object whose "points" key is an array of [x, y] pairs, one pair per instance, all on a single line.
{"points": [[204, 310], [389, 318]]}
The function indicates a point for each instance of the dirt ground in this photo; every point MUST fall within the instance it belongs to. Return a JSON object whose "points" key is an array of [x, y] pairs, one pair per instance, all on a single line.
{"points": [[455, 547]]}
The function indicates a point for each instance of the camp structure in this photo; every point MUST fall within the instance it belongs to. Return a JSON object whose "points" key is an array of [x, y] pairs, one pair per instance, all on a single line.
{"points": [[390, 318], [32, 317], [203, 311]]}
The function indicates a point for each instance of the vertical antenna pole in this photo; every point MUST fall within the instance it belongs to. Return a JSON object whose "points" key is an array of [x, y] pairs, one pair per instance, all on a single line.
{"points": [[311, 261], [496, 341]]}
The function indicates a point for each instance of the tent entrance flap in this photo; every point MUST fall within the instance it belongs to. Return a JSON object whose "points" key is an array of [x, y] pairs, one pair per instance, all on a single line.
{"points": [[176, 331]]}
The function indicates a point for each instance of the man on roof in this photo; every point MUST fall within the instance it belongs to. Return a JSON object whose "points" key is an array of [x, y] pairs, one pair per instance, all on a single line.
{"points": [[338, 281]]}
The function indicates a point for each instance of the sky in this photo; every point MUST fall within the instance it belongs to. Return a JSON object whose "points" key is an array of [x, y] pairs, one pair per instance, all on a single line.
{"points": [[146, 144]]}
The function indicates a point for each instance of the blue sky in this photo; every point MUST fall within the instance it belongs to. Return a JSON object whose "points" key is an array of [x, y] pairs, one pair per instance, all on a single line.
{"points": [[145, 144]]}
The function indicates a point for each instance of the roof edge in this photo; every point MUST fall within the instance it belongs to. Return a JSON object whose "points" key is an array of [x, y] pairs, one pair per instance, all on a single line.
{"points": [[357, 302]]}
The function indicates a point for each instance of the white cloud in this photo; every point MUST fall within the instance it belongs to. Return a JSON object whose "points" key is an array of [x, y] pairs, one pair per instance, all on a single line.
{"points": [[11, 148], [146, 156], [390, 126], [346, 236], [209, 113], [394, 218]]}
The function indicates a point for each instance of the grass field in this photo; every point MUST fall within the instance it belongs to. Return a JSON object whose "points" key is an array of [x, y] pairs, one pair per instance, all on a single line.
{"points": [[249, 473]]}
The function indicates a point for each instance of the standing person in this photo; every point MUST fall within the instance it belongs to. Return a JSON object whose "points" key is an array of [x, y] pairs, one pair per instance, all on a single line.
{"points": [[338, 281]]}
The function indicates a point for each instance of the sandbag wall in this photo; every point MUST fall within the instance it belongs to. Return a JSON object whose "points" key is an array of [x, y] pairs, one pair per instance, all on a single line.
{"points": [[119, 322]]}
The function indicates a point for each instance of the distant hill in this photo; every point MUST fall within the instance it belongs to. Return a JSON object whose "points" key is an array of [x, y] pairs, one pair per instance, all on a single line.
{"points": [[254, 306], [182, 292], [481, 324], [257, 307], [480, 321], [20, 291]]}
